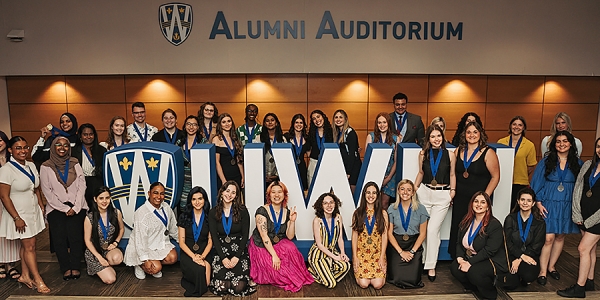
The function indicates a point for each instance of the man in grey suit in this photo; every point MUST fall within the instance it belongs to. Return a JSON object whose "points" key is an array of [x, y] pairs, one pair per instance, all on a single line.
{"points": [[409, 127]]}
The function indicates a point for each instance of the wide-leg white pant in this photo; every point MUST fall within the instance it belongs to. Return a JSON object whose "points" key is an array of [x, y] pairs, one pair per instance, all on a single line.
{"points": [[437, 203]]}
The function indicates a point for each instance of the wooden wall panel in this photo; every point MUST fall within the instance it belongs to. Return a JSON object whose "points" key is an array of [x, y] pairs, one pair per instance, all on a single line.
{"points": [[32, 117], [277, 88], [154, 113], [515, 89], [382, 88], [457, 89], [583, 116], [338, 88], [587, 139], [42, 89], [98, 114], [215, 88], [453, 112], [284, 113], [572, 90], [236, 110], [147, 89], [356, 112], [499, 115], [95, 89]]}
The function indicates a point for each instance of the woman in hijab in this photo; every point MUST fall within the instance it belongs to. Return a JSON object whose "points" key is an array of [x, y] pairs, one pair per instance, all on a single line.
{"points": [[63, 184], [68, 128]]}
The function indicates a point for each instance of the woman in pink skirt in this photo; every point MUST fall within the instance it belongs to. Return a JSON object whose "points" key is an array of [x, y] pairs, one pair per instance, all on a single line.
{"points": [[274, 259]]}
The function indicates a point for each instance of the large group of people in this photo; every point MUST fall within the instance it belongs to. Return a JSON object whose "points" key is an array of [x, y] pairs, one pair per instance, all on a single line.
{"points": [[391, 243]]}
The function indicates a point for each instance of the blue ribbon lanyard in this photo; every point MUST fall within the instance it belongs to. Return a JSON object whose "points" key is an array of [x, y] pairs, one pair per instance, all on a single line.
{"points": [[58, 132], [274, 141], [227, 221], [28, 174], [435, 164], [64, 176], [467, 163], [525, 233], [197, 228], [298, 147], [381, 139], [518, 143], [187, 149], [145, 137], [169, 139], [593, 178], [339, 136], [561, 173], [231, 150], [207, 132], [371, 225], [250, 134], [89, 157], [400, 123], [404, 221], [320, 140], [329, 232], [472, 234], [106, 228], [115, 143], [164, 220], [276, 222]]}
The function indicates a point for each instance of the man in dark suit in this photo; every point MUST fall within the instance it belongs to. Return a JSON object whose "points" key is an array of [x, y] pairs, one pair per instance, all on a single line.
{"points": [[409, 127]]}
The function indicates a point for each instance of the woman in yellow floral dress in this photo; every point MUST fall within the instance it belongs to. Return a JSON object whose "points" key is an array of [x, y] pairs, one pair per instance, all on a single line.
{"points": [[369, 241]]}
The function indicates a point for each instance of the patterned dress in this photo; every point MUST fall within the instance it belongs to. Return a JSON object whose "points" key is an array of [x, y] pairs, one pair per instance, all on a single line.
{"points": [[323, 268], [93, 265], [368, 253]]}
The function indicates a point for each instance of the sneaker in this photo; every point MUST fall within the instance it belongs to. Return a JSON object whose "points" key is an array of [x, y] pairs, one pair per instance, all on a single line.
{"points": [[574, 291], [139, 273], [589, 285], [157, 275]]}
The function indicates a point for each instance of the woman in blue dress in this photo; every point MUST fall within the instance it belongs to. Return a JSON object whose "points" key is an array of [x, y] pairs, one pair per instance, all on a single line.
{"points": [[553, 182], [382, 133]]}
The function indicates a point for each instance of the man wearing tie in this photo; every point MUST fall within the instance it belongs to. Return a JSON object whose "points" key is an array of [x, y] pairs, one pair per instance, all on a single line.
{"points": [[409, 127]]}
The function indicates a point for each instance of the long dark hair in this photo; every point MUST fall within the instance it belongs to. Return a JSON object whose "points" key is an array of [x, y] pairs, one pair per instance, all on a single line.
{"points": [[595, 158], [427, 143], [318, 206], [360, 214], [292, 132], [264, 134], [236, 206], [462, 124], [234, 138], [111, 214], [534, 209], [215, 117], [483, 138], [110, 140], [470, 216], [13, 141], [312, 130], [552, 155], [520, 118], [187, 216], [97, 156], [199, 132], [389, 139], [4, 138]]}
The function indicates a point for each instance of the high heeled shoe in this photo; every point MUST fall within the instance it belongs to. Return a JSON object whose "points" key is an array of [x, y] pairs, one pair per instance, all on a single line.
{"points": [[41, 287], [28, 284]]}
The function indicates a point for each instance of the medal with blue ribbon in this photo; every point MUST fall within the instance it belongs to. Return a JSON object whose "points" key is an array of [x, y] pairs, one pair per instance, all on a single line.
{"points": [[207, 131], [105, 230], [55, 131], [405, 221], [472, 234], [434, 164], [187, 149], [298, 148], [64, 176], [164, 219], [143, 138], [518, 143], [370, 226], [274, 141], [276, 222], [467, 162], [329, 231], [227, 222], [320, 140], [170, 140], [524, 233], [249, 134], [561, 176], [197, 228], [592, 180], [89, 157], [28, 174], [231, 150], [339, 136]]}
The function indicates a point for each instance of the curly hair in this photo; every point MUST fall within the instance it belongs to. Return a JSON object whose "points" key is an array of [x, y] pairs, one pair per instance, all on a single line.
{"points": [[187, 216], [483, 138], [462, 124], [327, 131], [236, 206], [215, 117], [552, 155], [360, 214], [318, 206]]}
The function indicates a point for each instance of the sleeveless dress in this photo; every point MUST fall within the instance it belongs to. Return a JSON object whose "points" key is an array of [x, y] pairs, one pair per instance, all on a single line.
{"points": [[390, 188], [302, 168], [194, 275], [368, 253], [479, 178], [93, 265], [231, 172], [323, 268]]}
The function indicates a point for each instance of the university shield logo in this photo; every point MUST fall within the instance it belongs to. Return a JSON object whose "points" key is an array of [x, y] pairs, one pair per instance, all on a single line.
{"points": [[129, 170], [175, 21]]}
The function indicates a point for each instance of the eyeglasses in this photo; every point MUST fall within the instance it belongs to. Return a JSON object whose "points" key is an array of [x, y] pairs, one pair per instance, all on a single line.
{"points": [[188, 124], [19, 148], [209, 110]]}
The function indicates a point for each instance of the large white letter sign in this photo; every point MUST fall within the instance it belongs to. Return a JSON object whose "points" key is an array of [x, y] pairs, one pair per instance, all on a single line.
{"points": [[129, 170], [373, 169], [254, 179], [502, 193], [204, 171]]}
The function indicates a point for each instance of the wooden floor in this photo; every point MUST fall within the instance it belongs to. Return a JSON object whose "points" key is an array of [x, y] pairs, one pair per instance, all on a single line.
{"points": [[445, 287]]}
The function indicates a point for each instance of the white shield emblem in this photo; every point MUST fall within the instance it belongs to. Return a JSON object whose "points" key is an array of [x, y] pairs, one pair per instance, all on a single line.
{"points": [[175, 21]]}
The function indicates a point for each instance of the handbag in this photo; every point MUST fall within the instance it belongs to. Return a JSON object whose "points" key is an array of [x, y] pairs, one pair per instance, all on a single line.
{"points": [[505, 280]]}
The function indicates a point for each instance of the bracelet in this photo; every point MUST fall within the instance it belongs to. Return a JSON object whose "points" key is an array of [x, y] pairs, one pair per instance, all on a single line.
{"points": [[451, 189], [17, 218]]}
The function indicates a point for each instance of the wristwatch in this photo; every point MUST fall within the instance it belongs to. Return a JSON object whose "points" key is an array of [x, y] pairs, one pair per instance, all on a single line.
{"points": [[411, 251]]}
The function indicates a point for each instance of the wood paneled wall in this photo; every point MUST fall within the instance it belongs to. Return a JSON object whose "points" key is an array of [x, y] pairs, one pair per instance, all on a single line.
{"points": [[37, 101]]}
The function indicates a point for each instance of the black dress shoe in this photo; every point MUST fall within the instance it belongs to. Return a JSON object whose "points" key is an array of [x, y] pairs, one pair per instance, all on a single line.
{"points": [[542, 280], [574, 291], [67, 276], [554, 274], [75, 276], [432, 278], [589, 285]]}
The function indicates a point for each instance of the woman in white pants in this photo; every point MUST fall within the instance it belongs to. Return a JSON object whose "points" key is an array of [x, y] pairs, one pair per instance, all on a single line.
{"points": [[436, 184]]}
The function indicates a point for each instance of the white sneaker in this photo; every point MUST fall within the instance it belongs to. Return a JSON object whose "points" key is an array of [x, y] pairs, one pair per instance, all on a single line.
{"points": [[157, 275], [139, 273]]}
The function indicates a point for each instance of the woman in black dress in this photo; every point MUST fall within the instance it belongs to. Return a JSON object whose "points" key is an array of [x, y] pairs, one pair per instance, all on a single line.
{"points": [[195, 243], [586, 214], [229, 156], [320, 132], [228, 223], [477, 169], [297, 136], [90, 155], [462, 124], [347, 139]]}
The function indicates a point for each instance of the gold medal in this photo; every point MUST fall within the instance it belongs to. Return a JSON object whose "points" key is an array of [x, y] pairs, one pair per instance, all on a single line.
{"points": [[369, 240], [434, 182], [466, 174], [196, 247], [227, 239], [275, 239], [469, 252], [405, 237], [271, 160], [589, 193], [233, 162], [49, 127], [166, 232], [104, 246]]}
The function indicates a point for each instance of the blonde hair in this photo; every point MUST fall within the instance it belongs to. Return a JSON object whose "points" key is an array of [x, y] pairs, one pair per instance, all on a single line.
{"points": [[439, 119], [343, 129], [563, 115], [414, 200]]}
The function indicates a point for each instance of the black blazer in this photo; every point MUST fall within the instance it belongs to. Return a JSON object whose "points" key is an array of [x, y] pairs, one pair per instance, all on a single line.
{"points": [[534, 242], [415, 131], [97, 156], [488, 246], [160, 137]]}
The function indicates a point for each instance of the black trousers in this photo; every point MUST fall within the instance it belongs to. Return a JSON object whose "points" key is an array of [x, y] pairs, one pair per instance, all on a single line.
{"points": [[67, 238], [479, 277], [529, 273]]}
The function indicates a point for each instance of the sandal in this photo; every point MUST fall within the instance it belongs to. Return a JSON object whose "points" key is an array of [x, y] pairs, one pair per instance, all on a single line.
{"points": [[14, 274], [42, 288], [29, 284], [2, 272]]}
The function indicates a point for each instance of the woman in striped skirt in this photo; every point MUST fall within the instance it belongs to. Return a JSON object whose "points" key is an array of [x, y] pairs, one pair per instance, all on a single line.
{"points": [[327, 264]]}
